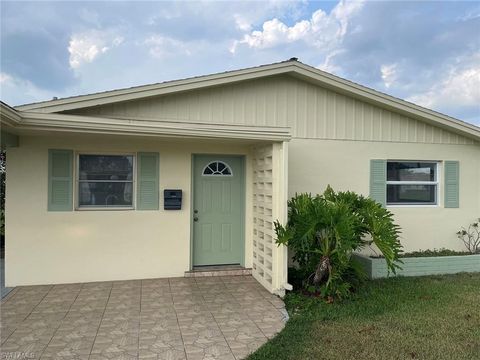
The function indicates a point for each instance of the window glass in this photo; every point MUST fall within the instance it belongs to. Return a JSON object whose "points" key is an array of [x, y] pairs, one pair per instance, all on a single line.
{"points": [[208, 171], [411, 194], [105, 167], [105, 181], [411, 183], [411, 171]]}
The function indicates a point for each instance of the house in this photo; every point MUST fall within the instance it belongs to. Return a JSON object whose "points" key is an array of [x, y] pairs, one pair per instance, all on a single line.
{"points": [[157, 180]]}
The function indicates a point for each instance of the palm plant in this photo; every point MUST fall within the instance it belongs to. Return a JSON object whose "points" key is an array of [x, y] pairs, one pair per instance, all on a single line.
{"points": [[324, 230]]}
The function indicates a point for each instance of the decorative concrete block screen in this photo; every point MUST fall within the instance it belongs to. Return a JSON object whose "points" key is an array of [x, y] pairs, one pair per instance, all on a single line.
{"points": [[263, 233]]}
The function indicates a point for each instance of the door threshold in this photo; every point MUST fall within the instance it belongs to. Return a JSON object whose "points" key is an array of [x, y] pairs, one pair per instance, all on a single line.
{"points": [[218, 270]]}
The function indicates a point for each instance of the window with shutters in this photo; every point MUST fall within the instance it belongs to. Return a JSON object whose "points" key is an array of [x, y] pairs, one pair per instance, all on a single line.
{"points": [[105, 181], [412, 183]]}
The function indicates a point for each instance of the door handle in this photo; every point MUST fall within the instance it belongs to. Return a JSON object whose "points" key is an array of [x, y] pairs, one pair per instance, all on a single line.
{"points": [[195, 218]]}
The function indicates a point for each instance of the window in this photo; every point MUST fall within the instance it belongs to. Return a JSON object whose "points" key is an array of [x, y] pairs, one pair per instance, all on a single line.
{"points": [[412, 183], [105, 181], [217, 168]]}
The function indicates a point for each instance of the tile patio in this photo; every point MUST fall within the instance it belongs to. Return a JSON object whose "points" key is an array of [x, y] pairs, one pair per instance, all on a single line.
{"points": [[224, 317]]}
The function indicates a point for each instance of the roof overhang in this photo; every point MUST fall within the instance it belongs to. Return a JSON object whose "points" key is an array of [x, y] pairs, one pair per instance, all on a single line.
{"points": [[292, 68], [19, 121], [9, 117]]}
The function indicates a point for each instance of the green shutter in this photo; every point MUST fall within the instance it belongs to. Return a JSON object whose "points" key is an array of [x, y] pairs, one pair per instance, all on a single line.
{"points": [[378, 181], [147, 181], [452, 172], [60, 180]]}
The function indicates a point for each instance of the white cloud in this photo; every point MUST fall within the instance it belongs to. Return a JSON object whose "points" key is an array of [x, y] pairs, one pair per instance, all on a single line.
{"points": [[17, 91], [5, 78], [322, 30], [329, 66], [242, 23], [162, 46], [458, 87], [89, 16], [471, 14], [87, 46], [164, 14], [275, 32], [389, 74], [343, 11]]}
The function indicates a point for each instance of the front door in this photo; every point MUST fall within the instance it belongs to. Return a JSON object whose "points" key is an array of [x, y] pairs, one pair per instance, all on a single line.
{"points": [[218, 210]]}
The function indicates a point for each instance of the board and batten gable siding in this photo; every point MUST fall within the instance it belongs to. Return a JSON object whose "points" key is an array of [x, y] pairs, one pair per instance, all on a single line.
{"points": [[311, 111]]}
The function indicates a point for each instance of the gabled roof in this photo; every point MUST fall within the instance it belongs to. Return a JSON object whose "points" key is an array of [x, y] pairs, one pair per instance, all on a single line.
{"points": [[291, 67]]}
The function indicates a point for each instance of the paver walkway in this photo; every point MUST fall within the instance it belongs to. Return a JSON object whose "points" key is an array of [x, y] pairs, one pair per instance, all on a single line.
{"points": [[177, 318]]}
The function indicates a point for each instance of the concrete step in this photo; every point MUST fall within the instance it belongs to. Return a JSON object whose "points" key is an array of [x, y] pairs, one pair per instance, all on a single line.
{"points": [[229, 270]]}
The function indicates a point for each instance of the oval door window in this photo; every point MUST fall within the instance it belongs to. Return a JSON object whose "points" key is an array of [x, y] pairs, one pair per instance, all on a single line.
{"points": [[217, 168]]}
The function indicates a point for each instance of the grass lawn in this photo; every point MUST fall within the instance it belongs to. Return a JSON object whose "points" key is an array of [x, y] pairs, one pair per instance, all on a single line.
{"points": [[435, 317]]}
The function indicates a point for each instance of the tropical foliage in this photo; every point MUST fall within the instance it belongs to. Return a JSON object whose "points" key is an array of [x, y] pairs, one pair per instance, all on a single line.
{"points": [[324, 230]]}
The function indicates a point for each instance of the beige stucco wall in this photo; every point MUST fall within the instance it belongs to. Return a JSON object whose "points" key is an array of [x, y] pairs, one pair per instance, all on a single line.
{"points": [[61, 247], [313, 164]]}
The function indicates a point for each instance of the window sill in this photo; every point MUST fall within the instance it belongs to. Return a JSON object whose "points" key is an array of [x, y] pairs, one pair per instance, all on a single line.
{"points": [[104, 208], [413, 206]]}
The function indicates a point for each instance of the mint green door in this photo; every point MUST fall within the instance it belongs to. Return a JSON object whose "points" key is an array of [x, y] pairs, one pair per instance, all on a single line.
{"points": [[218, 210]]}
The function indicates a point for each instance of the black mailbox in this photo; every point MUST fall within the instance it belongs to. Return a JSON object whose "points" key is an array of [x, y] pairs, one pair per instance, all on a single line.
{"points": [[172, 199]]}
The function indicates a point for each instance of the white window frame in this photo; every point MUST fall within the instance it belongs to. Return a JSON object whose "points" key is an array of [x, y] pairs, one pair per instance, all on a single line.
{"points": [[436, 183], [100, 208]]}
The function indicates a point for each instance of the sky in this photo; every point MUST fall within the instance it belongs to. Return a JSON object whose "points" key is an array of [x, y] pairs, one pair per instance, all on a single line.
{"points": [[425, 52]]}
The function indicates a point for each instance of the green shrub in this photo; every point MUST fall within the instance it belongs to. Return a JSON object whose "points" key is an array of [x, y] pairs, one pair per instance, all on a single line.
{"points": [[434, 252], [324, 230], [428, 253]]}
